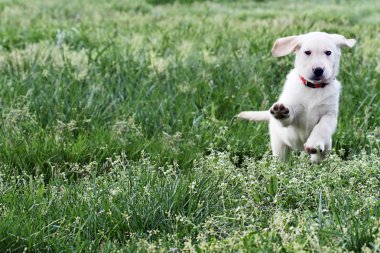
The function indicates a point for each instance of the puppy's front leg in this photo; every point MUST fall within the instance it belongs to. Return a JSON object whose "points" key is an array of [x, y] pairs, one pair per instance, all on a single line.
{"points": [[320, 139], [285, 114]]}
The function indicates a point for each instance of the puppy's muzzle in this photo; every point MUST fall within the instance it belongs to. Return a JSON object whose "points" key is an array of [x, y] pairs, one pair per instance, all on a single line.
{"points": [[318, 72]]}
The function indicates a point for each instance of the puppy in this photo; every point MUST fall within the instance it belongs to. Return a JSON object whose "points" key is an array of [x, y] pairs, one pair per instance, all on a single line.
{"points": [[305, 115]]}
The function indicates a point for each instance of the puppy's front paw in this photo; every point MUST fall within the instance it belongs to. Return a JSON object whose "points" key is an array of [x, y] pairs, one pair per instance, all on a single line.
{"points": [[313, 148], [279, 111]]}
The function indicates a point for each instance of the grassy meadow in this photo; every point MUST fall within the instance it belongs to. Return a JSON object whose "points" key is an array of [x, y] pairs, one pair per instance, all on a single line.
{"points": [[118, 133]]}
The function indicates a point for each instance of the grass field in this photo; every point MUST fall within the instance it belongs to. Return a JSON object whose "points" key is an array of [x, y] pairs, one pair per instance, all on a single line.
{"points": [[118, 134]]}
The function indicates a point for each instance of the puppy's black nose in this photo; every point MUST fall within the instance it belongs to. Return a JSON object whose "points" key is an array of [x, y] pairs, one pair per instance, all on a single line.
{"points": [[318, 72]]}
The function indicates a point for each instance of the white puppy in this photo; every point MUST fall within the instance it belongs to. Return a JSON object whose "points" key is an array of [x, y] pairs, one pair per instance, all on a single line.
{"points": [[305, 116]]}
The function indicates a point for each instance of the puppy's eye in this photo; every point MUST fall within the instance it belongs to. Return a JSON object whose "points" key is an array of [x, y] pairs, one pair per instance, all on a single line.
{"points": [[328, 52], [308, 52]]}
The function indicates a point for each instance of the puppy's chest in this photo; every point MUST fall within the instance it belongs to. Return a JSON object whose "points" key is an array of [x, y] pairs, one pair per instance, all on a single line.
{"points": [[314, 104], [308, 118]]}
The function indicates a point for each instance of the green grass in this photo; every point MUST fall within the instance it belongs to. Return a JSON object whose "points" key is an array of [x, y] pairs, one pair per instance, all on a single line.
{"points": [[118, 134]]}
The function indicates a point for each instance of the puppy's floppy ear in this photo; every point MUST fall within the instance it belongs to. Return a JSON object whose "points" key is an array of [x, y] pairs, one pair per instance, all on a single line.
{"points": [[341, 41], [285, 46]]}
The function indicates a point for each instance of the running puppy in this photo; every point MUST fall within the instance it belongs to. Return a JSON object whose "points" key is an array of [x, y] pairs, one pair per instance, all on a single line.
{"points": [[305, 116]]}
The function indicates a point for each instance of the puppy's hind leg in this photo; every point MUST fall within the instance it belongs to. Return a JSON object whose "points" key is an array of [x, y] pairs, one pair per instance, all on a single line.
{"points": [[279, 148]]}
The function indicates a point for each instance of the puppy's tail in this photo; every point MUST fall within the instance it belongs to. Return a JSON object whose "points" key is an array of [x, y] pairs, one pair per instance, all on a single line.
{"points": [[255, 115]]}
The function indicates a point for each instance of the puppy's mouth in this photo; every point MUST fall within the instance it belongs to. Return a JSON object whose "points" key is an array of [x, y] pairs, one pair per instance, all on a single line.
{"points": [[318, 79]]}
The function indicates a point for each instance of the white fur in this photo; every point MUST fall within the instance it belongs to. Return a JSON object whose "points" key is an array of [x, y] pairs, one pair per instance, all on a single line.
{"points": [[305, 118]]}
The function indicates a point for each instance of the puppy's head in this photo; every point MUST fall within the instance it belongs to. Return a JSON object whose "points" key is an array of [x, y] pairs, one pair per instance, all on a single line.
{"points": [[317, 54]]}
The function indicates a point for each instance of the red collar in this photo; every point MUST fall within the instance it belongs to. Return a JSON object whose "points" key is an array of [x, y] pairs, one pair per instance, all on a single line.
{"points": [[312, 85]]}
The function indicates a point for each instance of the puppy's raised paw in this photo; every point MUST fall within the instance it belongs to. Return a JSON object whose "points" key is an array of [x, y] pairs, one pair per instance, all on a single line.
{"points": [[279, 111]]}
